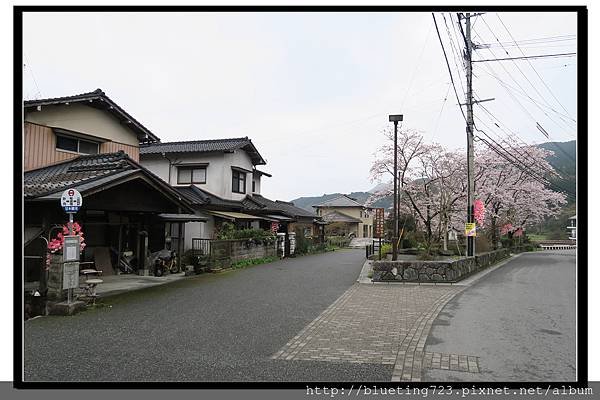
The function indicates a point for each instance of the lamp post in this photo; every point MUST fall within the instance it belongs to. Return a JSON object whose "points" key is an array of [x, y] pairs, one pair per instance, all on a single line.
{"points": [[395, 119]]}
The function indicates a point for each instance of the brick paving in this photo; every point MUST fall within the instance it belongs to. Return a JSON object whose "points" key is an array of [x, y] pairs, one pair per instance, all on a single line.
{"points": [[380, 324]]}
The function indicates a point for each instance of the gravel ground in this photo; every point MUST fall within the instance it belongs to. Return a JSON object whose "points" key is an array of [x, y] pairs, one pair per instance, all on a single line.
{"points": [[221, 327]]}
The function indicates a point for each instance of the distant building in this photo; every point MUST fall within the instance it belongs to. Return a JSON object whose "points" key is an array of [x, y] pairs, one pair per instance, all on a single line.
{"points": [[346, 216], [572, 227]]}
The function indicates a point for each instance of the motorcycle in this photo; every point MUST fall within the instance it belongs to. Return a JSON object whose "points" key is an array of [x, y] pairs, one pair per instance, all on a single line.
{"points": [[164, 261]]}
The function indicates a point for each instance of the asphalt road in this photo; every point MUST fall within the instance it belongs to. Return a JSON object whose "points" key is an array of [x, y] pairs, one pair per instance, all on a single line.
{"points": [[519, 319], [221, 327]]}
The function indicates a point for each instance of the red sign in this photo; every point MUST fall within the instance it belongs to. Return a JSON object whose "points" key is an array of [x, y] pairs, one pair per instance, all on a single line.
{"points": [[378, 223], [274, 227]]}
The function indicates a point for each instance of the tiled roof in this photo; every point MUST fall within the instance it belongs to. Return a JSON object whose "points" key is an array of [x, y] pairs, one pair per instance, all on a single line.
{"points": [[337, 216], [341, 201], [205, 146], [80, 170], [91, 172], [99, 99], [254, 203], [201, 197], [284, 207]]}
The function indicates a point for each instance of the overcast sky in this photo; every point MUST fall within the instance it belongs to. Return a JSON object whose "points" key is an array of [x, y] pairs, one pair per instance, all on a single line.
{"points": [[312, 91]]}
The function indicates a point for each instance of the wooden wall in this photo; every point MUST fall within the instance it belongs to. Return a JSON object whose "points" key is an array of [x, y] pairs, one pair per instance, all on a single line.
{"points": [[40, 148]]}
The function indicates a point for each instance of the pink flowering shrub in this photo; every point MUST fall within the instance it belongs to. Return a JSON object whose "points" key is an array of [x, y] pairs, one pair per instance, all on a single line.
{"points": [[506, 228], [56, 244]]}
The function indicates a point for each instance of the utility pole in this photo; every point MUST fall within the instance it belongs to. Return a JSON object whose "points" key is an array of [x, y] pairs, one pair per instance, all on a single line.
{"points": [[470, 153]]}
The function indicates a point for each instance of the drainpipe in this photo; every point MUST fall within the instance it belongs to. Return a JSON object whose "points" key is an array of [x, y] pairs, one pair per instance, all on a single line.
{"points": [[170, 164]]}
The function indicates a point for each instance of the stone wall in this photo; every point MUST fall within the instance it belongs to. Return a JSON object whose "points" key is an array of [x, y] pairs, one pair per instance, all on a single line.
{"points": [[434, 271], [226, 252]]}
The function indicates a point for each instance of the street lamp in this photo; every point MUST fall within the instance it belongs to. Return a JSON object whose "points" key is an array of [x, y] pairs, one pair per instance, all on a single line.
{"points": [[395, 119]]}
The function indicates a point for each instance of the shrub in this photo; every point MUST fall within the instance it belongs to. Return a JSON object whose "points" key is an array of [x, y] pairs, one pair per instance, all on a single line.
{"points": [[227, 231], [303, 244], [386, 248], [252, 261]]}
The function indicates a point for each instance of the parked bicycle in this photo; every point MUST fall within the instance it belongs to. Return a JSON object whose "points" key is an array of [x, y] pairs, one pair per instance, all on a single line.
{"points": [[164, 261]]}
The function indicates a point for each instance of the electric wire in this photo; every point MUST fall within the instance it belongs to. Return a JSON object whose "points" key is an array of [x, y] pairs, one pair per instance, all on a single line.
{"points": [[448, 65], [531, 65]]}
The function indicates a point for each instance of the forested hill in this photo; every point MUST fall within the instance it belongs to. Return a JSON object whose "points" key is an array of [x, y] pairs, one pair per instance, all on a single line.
{"points": [[563, 162], [361, 197]]}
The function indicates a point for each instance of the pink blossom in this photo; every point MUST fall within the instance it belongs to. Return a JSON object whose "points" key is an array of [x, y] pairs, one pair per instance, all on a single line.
{"points": [[518, 232], [505, 229], [479, 211]]}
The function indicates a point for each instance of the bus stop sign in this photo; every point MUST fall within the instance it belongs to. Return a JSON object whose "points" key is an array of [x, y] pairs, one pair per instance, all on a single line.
{"points": [[71, 200]]}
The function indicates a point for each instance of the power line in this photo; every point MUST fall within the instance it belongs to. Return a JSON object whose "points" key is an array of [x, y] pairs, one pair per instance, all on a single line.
{"points": [[520, 71], [416, 66], [517, 136], [538, 179], [528, 57], [547, 39], [531, 65], [437, 122], [522, 152], [30, 69], [527, 112], [525, 95], [455, 52], [448, 65]]}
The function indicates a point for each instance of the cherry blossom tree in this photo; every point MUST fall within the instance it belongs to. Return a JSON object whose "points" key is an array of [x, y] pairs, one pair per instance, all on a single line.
{"points": [[511, 189], [432, 185]]}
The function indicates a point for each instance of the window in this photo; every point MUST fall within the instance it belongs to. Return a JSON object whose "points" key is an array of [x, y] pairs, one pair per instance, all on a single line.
{"points": [[191, 175], [239, 181], [76, 145], [253, 186]]}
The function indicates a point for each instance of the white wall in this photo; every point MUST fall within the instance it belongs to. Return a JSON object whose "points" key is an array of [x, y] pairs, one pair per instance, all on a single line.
{"points": [[202, 230], [257, 179], [84, 119], [157, 165], [218, 171]]}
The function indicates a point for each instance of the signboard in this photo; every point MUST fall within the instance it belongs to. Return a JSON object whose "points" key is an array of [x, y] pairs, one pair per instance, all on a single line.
{"points": [[470, 229], [71, 249], [274, 227], [70, 275], [71, 200], [378, 223]]}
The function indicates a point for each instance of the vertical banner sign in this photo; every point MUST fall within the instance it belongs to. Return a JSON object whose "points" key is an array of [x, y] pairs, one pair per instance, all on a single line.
{"points": [[379, 223], [470, 229]]}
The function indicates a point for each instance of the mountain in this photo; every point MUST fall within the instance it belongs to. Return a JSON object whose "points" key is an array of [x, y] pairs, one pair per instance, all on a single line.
{"points": [[361, 197], [563, 161]]}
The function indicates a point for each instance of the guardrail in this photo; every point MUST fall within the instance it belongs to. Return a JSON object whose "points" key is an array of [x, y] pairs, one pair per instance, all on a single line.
{"points": [[558, 246]]}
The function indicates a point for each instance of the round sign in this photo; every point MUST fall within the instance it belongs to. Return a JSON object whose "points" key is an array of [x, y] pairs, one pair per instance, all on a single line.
{"points": [[71, 200]]}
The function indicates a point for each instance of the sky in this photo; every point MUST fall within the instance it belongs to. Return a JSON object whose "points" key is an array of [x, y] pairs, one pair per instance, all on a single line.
{"points": [[312, 90]]}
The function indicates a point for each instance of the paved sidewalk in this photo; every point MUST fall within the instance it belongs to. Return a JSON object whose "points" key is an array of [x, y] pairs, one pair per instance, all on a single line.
{"points": [[383, 323], [116, 284], [373, 324]]}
